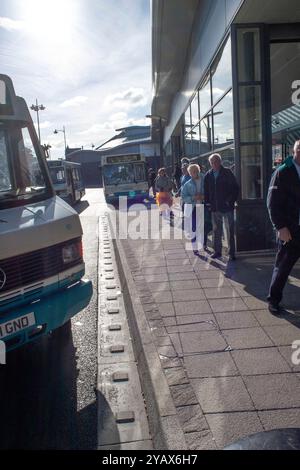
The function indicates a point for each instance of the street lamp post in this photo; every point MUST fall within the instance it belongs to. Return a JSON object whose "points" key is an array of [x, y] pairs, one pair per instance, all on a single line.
{"points": [[38, 107], [161, 145], [64, 132]]}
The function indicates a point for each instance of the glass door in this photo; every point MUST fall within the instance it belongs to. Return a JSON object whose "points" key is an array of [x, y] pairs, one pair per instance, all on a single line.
{"points": [[285, 98], [252, 134]]}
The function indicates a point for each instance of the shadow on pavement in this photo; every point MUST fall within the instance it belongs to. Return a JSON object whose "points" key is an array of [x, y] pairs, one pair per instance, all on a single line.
{"points": [[254, 275], [38, 398], [108, 433], [276, 439], [81, 206]]}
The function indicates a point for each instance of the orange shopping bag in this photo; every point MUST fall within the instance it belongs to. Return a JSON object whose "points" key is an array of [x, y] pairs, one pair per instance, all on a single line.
{"points": [[164, 198]]}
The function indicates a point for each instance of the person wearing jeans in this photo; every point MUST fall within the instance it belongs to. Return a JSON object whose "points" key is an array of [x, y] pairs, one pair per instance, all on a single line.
{"points": [[220, 194], [220, 219]]}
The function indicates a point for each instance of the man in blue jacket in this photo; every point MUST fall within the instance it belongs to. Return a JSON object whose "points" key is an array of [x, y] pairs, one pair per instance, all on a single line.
{"points": [[185, 177], [220, 194], [284, 209]]}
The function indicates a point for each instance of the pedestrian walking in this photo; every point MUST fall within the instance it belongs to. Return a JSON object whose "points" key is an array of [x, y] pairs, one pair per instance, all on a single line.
{"points": [[185, 177], [192, 194], [283, 203], [151, 180], [220, 194], [207, 219], [184, 160], [177, 176], [164, 186]]}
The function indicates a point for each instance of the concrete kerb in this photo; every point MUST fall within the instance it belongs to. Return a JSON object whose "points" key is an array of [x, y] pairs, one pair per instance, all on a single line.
{"points": [[160, 406]]}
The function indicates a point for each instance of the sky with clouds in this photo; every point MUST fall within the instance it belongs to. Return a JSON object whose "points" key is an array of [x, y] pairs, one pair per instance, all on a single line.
{"points": [[87, 61]]}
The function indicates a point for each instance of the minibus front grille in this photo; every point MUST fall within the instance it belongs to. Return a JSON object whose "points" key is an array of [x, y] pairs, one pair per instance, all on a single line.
{"points": [[27, 268]]}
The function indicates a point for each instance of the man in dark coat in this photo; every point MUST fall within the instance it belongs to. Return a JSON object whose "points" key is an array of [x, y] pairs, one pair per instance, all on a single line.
{"points": [[177, 175], [284, 209], [220, 194], [151, 180]]}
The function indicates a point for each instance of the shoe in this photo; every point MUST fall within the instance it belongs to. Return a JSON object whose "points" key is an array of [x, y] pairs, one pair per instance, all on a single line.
{"points": [[274, 308], [196, 252], [216, 255]]}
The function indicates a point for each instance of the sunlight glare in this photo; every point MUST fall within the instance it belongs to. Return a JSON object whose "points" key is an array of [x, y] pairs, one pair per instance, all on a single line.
{"points": [[52, 26], [52, 20]]}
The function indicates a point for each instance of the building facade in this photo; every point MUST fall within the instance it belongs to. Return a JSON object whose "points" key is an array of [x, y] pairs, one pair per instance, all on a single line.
{"points": [[226, 75]]}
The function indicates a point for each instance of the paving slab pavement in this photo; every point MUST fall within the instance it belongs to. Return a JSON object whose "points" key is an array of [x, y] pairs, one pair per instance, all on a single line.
{"points": [[226, 362]]}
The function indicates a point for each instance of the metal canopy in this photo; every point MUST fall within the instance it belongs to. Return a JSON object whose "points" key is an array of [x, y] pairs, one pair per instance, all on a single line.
{"points": [[172, 22], [269, 11]]}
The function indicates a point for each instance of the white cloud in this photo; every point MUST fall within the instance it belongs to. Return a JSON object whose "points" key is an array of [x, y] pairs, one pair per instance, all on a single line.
{"points": [[73, 102], [45, 125], [115, 121], [11, 25], [118, 116], [96, 129], [80, 55], [130, 98], [139, 122], [218, 91]]}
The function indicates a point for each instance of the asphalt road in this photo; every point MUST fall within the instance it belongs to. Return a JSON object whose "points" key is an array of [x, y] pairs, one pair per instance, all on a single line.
{"points": [[47, 388]]}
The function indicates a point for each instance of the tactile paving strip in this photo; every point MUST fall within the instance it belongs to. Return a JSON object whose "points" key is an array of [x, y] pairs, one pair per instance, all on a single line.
{"points": [[121, 408]]}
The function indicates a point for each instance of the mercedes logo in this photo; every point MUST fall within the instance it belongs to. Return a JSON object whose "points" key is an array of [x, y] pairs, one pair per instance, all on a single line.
{"points": [[2, 278]]}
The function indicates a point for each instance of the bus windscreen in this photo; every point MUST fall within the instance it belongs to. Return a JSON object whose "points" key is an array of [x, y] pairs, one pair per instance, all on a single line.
{"points": [[119, 174]]}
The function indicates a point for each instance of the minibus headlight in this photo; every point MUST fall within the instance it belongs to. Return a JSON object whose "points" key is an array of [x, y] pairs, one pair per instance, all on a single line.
{"points": [[72, 252]]}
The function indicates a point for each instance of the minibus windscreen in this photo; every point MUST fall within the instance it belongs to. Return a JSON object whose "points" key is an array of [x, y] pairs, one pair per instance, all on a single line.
{"points": [[21, 174]]}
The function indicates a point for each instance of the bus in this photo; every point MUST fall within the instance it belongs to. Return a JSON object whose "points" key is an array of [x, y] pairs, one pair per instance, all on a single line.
{"points": [[41, 257], [125, 175], [67, 180]]}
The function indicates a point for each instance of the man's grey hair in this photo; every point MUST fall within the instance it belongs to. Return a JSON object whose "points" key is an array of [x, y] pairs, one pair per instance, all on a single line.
{"points": [[215, 155], [185, 160]]}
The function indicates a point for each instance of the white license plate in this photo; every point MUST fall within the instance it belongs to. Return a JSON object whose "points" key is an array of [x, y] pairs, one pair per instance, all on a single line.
{"points": [[17, 324]]}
